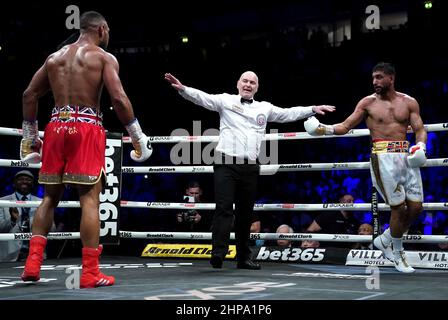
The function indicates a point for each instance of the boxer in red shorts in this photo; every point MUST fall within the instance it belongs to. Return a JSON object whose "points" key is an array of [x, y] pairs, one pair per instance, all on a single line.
{"points": [[75, 154], [73, 151]]}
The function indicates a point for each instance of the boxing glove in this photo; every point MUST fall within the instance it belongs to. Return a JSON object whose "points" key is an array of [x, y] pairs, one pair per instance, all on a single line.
{"points": [[315, 128], [30, 145], [417, 155], [140, 141]]}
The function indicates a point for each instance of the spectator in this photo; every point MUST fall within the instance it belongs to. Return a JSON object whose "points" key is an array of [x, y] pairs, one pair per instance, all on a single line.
{"points": [[17, 220], [339, 222], [192, 220], [284, 228], [310, 244], [364, 229]]}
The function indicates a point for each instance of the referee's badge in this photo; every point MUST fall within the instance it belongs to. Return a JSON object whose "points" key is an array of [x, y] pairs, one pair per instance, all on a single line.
{"points": [[261, 119]]}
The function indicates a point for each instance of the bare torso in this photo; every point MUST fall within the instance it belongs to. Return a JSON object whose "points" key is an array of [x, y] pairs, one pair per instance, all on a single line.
{"points": [[75, 75], [388, 119]]}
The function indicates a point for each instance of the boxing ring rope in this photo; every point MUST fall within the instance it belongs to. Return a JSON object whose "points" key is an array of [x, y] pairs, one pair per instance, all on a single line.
{"points": [[270, 136], [211, 206], [253, 236], [264, 169], [257, 207]]}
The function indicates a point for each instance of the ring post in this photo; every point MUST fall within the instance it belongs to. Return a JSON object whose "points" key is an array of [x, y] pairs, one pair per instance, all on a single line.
{"points": [[111, 196]]}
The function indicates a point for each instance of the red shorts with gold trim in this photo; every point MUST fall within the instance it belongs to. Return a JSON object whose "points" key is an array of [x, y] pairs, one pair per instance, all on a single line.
{"points": [[73, 152]]}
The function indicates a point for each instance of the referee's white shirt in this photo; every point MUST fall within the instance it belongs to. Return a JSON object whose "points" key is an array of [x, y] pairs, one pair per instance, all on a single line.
{"points": [[243, 125]]}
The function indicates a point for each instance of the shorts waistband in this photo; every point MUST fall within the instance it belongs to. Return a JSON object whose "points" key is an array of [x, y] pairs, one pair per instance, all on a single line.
{"points": [[387, 146], [77, 114]]}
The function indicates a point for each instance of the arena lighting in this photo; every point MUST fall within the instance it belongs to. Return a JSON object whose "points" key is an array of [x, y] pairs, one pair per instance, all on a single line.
{"points": [[184, 39], [428, 5]]}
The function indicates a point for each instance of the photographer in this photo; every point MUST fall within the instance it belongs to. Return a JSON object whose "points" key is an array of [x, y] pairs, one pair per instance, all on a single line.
{"points": [[193, 220]]}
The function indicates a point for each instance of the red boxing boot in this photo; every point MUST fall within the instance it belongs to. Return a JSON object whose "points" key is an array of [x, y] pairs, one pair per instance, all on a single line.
{"points": [[35, 258], [91, 276]]}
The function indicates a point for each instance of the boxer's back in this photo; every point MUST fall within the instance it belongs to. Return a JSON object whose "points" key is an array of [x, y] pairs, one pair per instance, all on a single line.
{"points": [[75, 75]]}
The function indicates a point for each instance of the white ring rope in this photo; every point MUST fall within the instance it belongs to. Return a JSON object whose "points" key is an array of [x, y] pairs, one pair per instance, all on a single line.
{"points": [[257, 207], [264, 169], [254, 236], [211, 206], [270, 136]]}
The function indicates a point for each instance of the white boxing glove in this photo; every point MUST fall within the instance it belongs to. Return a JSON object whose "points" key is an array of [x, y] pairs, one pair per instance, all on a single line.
{"points": [[143, 149], [417, 155], [315, 128], [30, 145], [140, 141]]}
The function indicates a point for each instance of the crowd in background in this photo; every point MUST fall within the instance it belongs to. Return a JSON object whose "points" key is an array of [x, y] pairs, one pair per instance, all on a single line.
{"points": [[297, 65]]}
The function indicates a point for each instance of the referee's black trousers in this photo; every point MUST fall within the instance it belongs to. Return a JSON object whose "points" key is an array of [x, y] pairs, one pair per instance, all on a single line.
{"points": [[234, 183]]}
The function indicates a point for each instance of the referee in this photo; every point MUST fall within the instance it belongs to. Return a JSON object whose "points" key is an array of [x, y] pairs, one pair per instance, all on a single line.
{"points": [[236, 169]]}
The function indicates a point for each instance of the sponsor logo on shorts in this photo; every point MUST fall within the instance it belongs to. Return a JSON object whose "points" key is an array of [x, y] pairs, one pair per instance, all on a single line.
{"points": [[414, 192]]}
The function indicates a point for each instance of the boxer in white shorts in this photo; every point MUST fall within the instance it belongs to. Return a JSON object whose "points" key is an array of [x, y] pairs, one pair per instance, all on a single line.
{"points": [[391, 174], [394, 166]]}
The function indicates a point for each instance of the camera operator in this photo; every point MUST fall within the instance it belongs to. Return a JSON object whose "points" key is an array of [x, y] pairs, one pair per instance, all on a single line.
{"points": [[193, 220]]}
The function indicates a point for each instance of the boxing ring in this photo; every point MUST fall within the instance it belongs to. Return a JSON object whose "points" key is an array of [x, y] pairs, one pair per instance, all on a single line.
{"points": [[193, 279]]}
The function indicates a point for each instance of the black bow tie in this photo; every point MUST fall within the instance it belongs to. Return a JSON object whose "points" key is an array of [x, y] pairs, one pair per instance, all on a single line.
{"points": [[243, 100]]}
